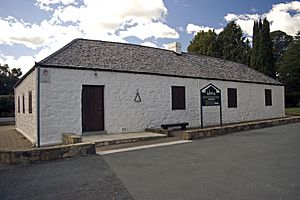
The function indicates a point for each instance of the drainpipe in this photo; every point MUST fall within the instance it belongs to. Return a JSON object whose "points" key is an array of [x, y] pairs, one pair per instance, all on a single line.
{"points": [[38, 105]]}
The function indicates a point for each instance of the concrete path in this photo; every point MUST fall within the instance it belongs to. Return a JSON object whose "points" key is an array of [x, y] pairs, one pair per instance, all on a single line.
{"points": [[10, 139], [257, 164], [118, 138]]}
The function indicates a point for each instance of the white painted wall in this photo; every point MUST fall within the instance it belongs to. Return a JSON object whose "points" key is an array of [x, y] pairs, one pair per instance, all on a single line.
{"points": [[26, 122], [61, 102]]}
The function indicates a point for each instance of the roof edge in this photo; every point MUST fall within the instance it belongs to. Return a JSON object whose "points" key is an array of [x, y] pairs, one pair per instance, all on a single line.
{"points": [[25, 75], [157, 74]]}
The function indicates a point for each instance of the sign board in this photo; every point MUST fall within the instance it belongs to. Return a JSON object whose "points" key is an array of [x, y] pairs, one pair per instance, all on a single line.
{"points": [[210, 96], [45, 76]]}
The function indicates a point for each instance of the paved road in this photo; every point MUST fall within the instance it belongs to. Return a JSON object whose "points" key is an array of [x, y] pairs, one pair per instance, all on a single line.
{"points": [[7, 119], [78, 178], [259, 164]]}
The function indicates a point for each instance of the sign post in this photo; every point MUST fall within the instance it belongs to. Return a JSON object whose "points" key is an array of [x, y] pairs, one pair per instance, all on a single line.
{"points": [[210, 96]]}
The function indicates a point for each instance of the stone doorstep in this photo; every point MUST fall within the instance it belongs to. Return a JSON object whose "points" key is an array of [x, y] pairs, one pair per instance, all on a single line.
{"points": [[46, 153], [126, 140], [216, 131]]}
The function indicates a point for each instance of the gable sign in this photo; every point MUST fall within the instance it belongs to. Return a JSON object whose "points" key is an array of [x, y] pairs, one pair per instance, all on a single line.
{"points": [[210, 96]]}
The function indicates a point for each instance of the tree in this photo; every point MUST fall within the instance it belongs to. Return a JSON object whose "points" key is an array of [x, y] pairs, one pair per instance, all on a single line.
{"points": [[8, 78], [289, 71], [204, 43], [262, 58], [280, 42], [231, 43], [255, 46]]}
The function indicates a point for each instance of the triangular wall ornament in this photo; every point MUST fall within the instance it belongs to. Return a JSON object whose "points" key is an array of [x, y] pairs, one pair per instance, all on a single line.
{"points": [[137, 97]]}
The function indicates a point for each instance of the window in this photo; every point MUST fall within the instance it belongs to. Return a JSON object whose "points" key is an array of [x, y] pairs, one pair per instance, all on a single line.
{"points": [[29, 102], [178, 97], [23, 103], [268, 97], [232, 98], [19, 104]]}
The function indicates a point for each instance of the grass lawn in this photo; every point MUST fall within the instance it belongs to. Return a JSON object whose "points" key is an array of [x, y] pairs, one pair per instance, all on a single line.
{"points": [[292, 111]]}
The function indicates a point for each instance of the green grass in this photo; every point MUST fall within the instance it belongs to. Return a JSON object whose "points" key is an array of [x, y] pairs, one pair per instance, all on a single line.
{"points": [[292, 111]]}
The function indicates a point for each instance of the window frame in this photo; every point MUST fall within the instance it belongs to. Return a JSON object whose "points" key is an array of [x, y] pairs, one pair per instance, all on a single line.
{"points": [[178, 102], [30, 102], [23, 103], [232, 100], [19, 106], [268, 97]]}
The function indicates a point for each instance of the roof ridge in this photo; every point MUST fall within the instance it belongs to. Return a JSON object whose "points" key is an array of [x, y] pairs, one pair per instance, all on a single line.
{"points": [[138, 45], [58, 51]]}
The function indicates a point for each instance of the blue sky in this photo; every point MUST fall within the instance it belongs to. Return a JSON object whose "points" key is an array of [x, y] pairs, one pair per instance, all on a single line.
{"points": [[33, 29]]}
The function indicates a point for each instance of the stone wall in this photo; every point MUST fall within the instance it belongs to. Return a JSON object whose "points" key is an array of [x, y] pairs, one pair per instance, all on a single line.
{"points": [[46, 153], [26, 122], [61, 102]]}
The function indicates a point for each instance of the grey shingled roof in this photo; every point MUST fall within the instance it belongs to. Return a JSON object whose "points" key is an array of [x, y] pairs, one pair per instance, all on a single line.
{"points": [[100, 55]]}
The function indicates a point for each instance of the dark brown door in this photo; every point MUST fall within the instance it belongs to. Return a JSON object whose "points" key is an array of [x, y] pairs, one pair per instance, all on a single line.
{"points": [[92, 108]]}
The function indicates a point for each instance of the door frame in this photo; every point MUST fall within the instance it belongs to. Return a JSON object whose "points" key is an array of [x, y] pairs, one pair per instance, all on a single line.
{"points": [[103, 110]]}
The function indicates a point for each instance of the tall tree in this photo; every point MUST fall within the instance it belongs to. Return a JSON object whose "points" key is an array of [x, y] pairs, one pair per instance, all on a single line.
{"points": [[8, 78], [280, 42], [231, 43], [255, 46], [204, 43], [289, 71], [262, 58]]}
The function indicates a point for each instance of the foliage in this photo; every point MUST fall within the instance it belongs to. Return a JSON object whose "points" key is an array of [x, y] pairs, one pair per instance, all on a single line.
{"points": [[231, 43], [8, 78], [7, 105], [204, 43], [280, 42], [289, 69], [262, 58]]}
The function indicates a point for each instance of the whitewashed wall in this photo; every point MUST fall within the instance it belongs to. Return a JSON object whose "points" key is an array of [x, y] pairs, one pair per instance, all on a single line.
{"points": [[26, 122], [61, 102]]}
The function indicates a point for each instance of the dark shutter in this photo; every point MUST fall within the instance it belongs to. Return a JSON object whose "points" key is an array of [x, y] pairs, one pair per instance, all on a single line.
{"points": [[178, 97], [23, 103], [29, 102], [232, 98], [19, 104], [268, 97]]}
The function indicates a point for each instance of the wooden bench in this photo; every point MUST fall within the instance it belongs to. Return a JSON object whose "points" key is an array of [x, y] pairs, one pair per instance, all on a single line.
{"points": [[183, 125]]}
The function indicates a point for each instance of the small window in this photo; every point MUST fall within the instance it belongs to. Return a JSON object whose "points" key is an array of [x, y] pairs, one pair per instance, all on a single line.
{"points": [[268, 97], [29, 102], [232, 98], [23, 103], [19, 104], [178, 97]]}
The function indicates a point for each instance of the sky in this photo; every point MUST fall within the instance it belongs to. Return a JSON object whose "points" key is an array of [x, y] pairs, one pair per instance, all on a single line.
{"points": [[30, 30]]}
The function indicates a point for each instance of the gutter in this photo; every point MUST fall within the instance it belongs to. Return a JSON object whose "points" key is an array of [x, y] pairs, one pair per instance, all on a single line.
{"points": [[38, 105]]}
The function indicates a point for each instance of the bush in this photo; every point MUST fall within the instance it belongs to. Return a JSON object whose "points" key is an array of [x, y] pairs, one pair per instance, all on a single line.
{"points": [[7, 106], [292, 99]]}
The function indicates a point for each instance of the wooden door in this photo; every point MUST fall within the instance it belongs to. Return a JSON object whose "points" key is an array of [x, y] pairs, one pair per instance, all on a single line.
{"points": [[92, 108]]}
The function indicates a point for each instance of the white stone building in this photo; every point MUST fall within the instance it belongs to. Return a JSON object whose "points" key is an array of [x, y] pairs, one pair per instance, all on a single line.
{"points": [[111, 87]]}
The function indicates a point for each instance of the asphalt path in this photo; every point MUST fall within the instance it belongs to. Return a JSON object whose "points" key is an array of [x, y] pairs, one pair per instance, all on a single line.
{"points": [[83, 178], [258, 164]]}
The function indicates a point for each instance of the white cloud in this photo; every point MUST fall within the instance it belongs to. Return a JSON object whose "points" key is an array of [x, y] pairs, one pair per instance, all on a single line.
{"points": [[23, 62], [193, 29], [46, 4], [152, 29], [110, 20], [149, 44], [279, 16]]}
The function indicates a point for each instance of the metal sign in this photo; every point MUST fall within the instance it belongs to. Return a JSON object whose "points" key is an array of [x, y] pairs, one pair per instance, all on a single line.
{"points": [[210, 96]]}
